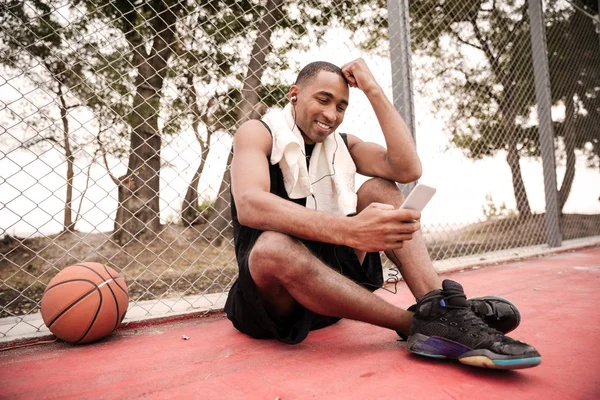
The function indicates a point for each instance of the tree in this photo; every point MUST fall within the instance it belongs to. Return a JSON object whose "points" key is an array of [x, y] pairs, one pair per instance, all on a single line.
{"points": [[574, 61], [298, 20], [155, 31], [489, 95], [480, 52], [33, 36], [247, 110], [190, 207], [210, 40], [148, 27]]}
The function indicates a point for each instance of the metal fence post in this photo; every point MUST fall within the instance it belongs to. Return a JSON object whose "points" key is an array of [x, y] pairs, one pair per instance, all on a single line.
{"points": [[544, 103], [597, 22], [400, 57]]}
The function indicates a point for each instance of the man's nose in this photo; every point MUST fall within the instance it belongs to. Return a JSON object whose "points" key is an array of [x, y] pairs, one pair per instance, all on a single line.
{"points": [[329, 114]]}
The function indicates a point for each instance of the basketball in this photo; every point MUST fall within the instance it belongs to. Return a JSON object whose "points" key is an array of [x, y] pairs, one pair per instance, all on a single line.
{"points": [[84, 302]]}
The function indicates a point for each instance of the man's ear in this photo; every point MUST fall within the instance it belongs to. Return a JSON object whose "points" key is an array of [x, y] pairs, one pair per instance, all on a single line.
{"points": [[293, 94]]}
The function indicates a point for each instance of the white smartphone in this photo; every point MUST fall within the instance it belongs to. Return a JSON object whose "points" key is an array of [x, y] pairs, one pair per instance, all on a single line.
{"points": [[419, 197]]}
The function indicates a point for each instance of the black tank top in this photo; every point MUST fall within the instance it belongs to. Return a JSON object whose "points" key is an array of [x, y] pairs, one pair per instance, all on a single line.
{"points": [[244, 237]]}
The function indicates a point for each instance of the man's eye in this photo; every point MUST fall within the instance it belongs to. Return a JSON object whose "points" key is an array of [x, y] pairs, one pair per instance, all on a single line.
{"points": [[341, 109], [322, 101]]}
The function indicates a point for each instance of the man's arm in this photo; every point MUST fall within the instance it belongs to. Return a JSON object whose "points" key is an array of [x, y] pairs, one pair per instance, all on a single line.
{"points": [[400, 162], [379, 227]]}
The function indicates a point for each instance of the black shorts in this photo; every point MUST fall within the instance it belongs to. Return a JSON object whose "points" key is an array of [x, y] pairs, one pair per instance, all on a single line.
{"points": [[249, 314]]}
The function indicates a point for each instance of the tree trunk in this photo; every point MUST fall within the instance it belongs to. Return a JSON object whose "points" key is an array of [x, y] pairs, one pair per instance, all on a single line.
{"points": [[189, 209], [510, 130], [190, 213], [221, 217], [513, 159], [508, 116], [569, 138], [139, 213], [68, 224]]}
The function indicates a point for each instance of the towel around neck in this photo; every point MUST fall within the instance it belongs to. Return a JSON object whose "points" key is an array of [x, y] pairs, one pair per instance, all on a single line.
{"points": [[329, 181]]}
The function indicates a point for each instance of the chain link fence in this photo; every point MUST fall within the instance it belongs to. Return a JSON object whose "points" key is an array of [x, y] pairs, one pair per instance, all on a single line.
{"points": [[474, 81], [116, 123], [573, 35]]}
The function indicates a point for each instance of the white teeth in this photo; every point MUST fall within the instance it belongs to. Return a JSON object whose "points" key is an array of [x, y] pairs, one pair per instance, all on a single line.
{"points": [[323, 125]]}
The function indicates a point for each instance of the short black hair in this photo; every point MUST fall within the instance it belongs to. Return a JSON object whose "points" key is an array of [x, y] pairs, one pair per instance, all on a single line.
{"points": [[311, 70]]}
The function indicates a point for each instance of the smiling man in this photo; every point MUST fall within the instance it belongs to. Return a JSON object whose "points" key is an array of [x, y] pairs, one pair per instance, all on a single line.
{"points": [[307, 245]]}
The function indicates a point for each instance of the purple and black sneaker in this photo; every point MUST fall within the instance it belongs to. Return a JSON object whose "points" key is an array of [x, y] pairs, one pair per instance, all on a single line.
{"points": [[445, 326], [497, 312]]}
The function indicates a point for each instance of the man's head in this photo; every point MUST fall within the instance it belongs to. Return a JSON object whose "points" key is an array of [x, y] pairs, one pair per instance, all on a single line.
{"points": [[319, 99]]}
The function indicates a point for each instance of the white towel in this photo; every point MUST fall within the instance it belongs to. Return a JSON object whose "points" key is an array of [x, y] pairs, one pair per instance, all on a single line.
{"points": [[328, 182]]}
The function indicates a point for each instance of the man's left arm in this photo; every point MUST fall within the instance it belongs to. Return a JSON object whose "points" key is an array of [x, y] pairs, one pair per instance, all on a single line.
{"points": [[400, 162]]}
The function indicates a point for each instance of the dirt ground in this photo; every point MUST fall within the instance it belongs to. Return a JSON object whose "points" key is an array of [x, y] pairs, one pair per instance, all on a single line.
{"points": [[180, 262], [501, 234]]}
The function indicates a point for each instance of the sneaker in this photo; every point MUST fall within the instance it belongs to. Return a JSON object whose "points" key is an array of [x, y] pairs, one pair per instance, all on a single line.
{"points": [[444, 326], [497, 312]]}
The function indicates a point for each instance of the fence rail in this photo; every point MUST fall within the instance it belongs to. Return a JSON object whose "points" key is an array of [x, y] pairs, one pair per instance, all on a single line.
{"points": [[116, 123]]}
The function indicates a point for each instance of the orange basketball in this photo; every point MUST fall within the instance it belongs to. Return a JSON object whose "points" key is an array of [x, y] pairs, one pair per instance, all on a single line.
{"points": [[84, 302]]}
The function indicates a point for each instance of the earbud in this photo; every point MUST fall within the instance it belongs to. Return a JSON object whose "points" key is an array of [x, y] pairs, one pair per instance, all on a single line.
{"points": [[294, 98]]}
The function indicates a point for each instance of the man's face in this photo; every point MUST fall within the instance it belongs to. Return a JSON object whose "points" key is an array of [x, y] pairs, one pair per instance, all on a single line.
{"points": [[321, 105]]}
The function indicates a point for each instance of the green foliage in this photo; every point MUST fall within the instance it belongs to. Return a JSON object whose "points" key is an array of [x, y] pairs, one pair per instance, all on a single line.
{"points": [[34, 48], [102, 44], [493, 99], [574, 62], [491, 211], [206, 208], [31, 26], [478, 48]]}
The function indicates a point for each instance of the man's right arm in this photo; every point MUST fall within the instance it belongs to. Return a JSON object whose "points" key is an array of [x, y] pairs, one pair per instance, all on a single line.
{"points": [[379, 227]]}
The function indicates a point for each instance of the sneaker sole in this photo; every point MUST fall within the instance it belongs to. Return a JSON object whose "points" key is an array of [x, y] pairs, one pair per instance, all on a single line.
{"points": [[512, 306], [438, 347]]}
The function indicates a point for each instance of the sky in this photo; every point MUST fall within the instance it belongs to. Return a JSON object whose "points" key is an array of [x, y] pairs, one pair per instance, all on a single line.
{"points": [[32, 185]]}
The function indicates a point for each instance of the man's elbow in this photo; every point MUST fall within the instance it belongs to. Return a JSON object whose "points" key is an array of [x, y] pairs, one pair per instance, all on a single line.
{"points": [[245, 214], [409, 175]]}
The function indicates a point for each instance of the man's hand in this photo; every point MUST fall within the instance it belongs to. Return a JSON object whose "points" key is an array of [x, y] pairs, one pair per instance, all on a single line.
{"points": [[359, 76], [382, 227]]}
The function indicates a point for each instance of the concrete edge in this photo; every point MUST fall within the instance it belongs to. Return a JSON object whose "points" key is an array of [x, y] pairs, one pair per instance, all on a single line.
{"points": [[512, 255]]}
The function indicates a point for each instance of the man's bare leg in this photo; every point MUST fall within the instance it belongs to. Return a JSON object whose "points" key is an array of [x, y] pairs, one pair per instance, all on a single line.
{"points": [[412, 259], [287, 274]]}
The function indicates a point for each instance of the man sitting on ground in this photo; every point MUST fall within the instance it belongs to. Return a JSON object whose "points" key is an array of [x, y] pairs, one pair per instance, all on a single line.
{"points": [[308, 245]]}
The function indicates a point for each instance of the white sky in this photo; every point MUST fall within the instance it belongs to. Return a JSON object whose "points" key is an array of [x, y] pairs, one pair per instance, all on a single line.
{"points": [[32, 187]]}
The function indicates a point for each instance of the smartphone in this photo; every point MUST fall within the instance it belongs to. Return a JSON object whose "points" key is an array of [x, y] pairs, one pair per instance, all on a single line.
{"points": [[418, 197]]}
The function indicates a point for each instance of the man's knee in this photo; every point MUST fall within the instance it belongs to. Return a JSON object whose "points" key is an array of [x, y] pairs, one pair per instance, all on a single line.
{"points": [[379, 190], [278, 256]]}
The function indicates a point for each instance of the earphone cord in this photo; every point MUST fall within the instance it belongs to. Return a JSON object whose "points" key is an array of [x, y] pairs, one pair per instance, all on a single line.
{"points": [[392, 279], [394, 272], [332, 160]]}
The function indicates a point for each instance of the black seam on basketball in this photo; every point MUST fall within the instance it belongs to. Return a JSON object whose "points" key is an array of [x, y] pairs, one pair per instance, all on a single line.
{"points": [[91, 269], [116, 303], [70, 280], [95, 316], [108, 272], [122, 289], [104, 280], [114, 278], [75, 302]]}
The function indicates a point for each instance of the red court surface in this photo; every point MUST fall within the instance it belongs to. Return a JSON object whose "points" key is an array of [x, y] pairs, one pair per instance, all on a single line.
{"points": [[557, 295]]}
